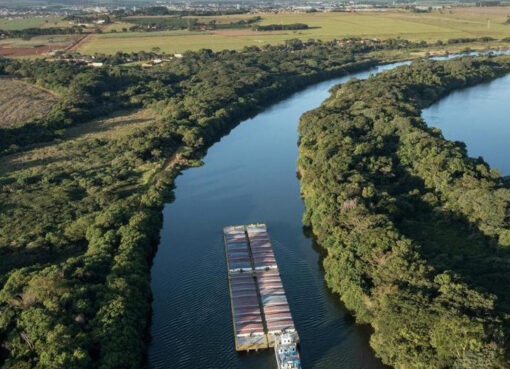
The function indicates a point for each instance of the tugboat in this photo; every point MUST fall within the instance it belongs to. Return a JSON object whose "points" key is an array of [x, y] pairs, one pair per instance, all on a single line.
{"points": [[287, 355]]}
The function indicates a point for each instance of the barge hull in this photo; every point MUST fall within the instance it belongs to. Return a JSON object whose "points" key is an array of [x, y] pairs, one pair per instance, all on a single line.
{"points": [[260, 311]]}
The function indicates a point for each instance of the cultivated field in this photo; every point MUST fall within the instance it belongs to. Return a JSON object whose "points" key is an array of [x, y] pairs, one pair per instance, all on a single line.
{"points": [[38, 45], [438, 25], [20, 102]]}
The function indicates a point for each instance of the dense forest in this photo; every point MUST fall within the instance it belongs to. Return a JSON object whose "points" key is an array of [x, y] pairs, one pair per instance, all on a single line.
{"points": [[280, 27], [417, 234], [81, 213], [88, 93]]}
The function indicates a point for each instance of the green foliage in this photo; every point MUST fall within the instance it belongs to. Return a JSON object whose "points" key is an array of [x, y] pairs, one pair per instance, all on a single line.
{"points": [[80, 218], [179, 22], [159, 24], [416, 232], [28, 33]]}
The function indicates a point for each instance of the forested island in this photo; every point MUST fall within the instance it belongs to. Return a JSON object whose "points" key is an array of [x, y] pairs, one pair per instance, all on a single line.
{"points": [[417, 234]]}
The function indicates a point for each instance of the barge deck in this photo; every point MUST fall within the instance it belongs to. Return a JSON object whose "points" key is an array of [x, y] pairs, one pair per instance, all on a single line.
{"points": [[260, 310]]}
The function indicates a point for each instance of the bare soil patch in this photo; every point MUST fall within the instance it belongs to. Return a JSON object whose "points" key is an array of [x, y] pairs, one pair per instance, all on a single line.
{"points": [[28, 51], [38, 45]]}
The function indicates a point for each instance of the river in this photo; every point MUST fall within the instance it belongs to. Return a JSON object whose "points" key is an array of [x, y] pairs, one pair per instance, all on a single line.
{"points": [[250, 176], [479, 117]]}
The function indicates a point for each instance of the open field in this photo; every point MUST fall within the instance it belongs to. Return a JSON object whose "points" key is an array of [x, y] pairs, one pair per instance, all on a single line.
{"points": [[19, 102], [117, 26], [117, 125], [486, 10], [37, 45], [21, 23], [438, 25]]}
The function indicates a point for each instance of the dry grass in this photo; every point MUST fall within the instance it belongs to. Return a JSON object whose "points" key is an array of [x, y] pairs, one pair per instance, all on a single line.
{"points": [[21, 23], [20, 102], [115, 126]]}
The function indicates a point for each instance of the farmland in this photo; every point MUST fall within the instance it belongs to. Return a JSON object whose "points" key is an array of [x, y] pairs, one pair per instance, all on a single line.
{"points": [[37, 45], [21, 23], [438, 25], [19, 102]]}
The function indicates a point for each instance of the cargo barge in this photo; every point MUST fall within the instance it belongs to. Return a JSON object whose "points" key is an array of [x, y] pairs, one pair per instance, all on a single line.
{"points": [[260, 311]]}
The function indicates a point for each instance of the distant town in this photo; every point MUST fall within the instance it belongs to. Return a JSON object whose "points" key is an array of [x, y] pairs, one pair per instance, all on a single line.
{"points": [[98, 7]]}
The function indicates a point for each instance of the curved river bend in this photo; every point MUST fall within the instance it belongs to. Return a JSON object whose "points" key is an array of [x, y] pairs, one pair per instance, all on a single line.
{"points": [[480, 117], [250, 176]]}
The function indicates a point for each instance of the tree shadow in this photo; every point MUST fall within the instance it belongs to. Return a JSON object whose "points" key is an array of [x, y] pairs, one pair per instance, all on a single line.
{"points": [[365, 353], [12, 258], [448, 241]]}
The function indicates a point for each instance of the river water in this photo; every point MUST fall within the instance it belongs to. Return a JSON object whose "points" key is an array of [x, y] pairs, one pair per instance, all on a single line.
{"points": [[250, 176], [480, 117]]}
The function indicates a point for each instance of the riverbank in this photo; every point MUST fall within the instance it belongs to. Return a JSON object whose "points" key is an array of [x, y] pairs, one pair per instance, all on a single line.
{"points": [[248, 176]]}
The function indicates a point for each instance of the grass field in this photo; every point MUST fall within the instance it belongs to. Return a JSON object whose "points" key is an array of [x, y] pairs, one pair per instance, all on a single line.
{"points": [[21, 23], [59, 153], [19, 102], [115, 126], [453, 23]]}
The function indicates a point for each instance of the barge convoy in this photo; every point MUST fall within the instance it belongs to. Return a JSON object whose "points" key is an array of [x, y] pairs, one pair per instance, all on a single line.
{"points": [[260, 311]]}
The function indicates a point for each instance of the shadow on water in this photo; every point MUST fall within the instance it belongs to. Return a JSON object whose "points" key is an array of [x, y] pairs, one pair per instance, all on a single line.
{"points": [[347, 321]]}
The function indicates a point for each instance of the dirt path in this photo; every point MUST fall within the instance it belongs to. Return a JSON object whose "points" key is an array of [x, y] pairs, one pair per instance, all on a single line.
{"points": [[82, 41], [169, 163], [176, 158], [50, 92]]}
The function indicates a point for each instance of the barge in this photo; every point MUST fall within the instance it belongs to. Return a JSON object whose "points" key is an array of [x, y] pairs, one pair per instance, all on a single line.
{"points": [[261, 314]]}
